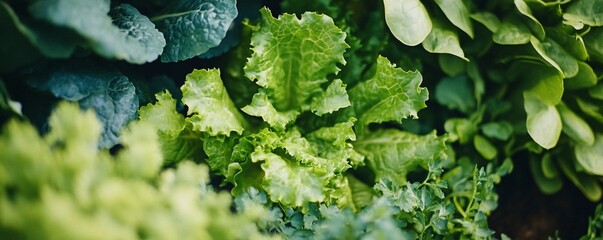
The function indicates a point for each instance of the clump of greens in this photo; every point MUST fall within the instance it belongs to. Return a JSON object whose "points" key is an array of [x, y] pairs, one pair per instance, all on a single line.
{"points": [[61, 185]]}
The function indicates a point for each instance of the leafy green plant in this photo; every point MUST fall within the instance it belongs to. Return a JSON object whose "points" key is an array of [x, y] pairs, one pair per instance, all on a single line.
{"points": [[318, 121]]}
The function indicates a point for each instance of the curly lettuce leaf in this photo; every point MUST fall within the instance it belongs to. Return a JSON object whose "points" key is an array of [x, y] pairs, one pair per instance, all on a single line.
{"points": [[331, 100], [177, 139], [392, 94], [210, 109], [122, 33], [393, 153], [193, 27], [102, 88], [292, 57], [260, 106]]}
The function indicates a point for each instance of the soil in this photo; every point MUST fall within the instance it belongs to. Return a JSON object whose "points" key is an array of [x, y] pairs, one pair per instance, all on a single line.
{"points": [[526, 213]]}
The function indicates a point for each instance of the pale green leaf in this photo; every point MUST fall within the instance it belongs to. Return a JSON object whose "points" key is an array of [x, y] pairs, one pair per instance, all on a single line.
{"points": [[292, 57], [488, 19], [210, 108], [392, 94], [586, 78], [122, 34], [393, 153], [443, 40], [456, 11], [548, 85], [543, 121], [163, 114], [590, 156], [260, 106], [141, 157], [331, 100], [589, 12], [484, 147], [533, 23], [408, 20], [512, 31], [193, 27], [288, 182], [575, 127], [556, 56]]}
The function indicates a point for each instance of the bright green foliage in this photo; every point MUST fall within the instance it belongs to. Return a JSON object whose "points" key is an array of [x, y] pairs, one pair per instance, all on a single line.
{"points": [[292, 58], [210, 107], [193, 27], [393, 154], [98, 196], [392, 94]]}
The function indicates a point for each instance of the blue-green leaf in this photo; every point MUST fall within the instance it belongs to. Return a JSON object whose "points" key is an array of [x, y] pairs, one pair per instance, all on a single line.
{"points": [[193, 27], [123, 33], [99, 87]]}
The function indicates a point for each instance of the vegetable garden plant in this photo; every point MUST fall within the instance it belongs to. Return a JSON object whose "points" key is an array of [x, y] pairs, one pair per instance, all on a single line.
{"points": [[319, 119]]}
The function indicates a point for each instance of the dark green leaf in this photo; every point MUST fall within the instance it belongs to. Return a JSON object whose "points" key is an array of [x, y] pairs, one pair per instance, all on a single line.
{"points": [[193, 27]]}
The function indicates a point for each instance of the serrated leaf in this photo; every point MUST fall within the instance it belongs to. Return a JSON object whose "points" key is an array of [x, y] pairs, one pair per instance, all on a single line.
{"points": [[443, 40], [331, 100], [193, 27], [292, 57], [392, 94], [210, 108], [128, 36], [163, 114], [260, 106], [575, 127], [458, 14], [543, 121], [590, 156], [393, 153], [102, 88], [589, 12], [289, 183], [456, 93], [408, 20]]}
